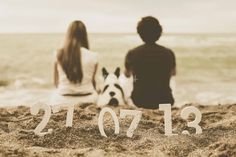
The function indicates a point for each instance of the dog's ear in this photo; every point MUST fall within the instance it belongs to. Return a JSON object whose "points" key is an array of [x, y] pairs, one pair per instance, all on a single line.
{"points": [[117, 72], [104, 72]]}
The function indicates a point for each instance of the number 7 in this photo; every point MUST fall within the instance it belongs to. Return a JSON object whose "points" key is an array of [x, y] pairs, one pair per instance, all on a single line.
{"points": [[137, 117]]}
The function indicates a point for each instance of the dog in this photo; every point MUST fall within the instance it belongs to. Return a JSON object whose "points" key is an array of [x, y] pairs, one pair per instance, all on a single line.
{"points": [[112, 92]]}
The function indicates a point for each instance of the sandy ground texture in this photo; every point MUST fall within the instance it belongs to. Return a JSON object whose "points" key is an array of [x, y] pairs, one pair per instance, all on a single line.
{"points": [[84, 139]]}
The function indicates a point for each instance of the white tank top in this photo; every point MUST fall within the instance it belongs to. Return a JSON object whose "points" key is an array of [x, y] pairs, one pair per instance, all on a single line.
{"points": [[88, 60]]}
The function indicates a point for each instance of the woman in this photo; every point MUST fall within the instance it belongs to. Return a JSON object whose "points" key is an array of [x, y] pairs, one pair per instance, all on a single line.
{"points": [[75, 69]]}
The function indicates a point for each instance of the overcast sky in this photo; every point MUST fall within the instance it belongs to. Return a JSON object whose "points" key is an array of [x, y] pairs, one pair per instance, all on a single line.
{"points": [[195, 16]]}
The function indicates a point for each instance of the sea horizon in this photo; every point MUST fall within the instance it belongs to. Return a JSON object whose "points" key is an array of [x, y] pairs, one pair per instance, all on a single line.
{"points": [[126, 33]]}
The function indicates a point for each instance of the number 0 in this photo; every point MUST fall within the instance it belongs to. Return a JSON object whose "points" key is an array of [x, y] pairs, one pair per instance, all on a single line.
{"points": [[114, 117]]}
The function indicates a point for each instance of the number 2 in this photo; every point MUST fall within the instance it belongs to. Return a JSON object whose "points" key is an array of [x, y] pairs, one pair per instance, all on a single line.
{"points": [[47, 114]]}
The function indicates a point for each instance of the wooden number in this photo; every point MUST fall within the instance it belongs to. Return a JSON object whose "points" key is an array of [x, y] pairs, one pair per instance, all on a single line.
{"points": [[69, 115], [195, 124], [47, 114], [137, 117], [167, 118], [100, 121]]}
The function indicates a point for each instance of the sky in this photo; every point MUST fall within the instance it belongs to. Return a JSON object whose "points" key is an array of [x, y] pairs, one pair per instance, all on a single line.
{"points": [[176, 16]]}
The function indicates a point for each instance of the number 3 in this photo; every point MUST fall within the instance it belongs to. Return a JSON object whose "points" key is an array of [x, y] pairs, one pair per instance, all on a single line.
{"points": [[195, 124]]}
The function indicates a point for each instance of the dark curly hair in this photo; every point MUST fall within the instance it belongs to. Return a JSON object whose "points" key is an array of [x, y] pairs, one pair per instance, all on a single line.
{"points": [[149, 29]]}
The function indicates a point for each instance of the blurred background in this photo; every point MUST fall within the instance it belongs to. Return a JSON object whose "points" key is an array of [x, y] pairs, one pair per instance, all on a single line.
{"points": [[201, 33]]}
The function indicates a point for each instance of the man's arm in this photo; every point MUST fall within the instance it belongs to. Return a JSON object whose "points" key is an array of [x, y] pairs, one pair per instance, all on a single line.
{"points": [[56, 77], [173, 63], [173, 71], [128, 71]]}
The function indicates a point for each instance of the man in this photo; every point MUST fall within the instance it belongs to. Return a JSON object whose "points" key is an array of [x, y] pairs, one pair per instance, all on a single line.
{"points": [[152, 66]]}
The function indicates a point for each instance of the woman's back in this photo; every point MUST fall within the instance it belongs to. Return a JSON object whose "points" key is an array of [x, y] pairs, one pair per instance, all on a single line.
{"points": [[89, 60]]}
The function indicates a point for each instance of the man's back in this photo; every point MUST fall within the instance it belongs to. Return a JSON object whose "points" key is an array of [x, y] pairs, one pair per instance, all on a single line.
{"points": [[151, 65]]}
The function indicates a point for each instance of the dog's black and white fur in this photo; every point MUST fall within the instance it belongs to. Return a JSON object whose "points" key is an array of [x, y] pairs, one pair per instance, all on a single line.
{"points": [[112, 92]]}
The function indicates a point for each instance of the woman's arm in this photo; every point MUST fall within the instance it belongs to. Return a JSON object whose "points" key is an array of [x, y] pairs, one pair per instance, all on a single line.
{"points": [[94, 76], [56, 77]]}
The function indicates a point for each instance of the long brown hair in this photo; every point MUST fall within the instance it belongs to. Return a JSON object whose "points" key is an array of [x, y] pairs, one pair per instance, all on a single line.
{"points": [[69, 56]]}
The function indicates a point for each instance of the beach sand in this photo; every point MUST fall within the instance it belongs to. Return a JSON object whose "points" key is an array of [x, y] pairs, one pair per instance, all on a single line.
{"points": [[84, 139]]}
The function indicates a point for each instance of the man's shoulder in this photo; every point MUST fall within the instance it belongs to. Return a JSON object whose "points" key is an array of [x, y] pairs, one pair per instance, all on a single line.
{"points": [[156, 48], [165, 49], [136, 49]]}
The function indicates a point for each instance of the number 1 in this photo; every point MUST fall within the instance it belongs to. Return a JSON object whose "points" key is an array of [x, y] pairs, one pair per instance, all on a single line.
{"points": [[167, 118]]}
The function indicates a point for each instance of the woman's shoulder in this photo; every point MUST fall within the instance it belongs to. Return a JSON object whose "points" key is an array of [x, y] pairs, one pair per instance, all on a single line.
{"points": [[56, 53], [89, 54]]}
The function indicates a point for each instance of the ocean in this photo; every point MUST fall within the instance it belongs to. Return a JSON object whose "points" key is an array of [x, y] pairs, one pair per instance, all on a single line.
{"points": [[206, 65]]}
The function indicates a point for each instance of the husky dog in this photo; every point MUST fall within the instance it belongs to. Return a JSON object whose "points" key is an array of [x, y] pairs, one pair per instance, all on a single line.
{"points": [[112, 92]]}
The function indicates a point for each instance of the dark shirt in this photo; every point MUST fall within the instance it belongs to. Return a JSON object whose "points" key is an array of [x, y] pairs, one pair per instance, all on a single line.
{"points": [[151, 66]]}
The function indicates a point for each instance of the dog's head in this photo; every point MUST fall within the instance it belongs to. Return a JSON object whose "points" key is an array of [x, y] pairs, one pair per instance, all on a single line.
{"points": [[112, 93]]}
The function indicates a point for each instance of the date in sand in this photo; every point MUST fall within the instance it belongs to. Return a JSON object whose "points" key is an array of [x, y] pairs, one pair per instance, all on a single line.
{"points": [[137, 115]]}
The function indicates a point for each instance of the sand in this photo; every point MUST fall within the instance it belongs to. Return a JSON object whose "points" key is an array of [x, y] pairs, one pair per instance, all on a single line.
{"points": [[83, 139]]}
